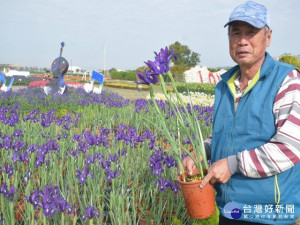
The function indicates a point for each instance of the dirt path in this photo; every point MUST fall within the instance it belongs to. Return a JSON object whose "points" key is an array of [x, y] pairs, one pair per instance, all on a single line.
{"points": [[128, 93]]}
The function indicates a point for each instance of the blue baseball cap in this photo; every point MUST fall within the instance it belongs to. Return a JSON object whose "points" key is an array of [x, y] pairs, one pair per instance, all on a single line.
{"points": [[252, 13]]}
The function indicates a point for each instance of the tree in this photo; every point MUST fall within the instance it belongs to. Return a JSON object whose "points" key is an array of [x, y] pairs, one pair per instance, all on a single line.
{"points": [[186, 57], [178, 71], [112, 70], [141, 68], [290, 59]]}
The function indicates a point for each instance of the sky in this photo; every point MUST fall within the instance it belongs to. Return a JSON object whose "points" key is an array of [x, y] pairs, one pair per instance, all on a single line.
{"points": [[123, 34]]}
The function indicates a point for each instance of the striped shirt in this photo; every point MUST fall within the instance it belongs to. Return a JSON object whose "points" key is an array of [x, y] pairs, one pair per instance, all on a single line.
{"points": [[283, 150]]}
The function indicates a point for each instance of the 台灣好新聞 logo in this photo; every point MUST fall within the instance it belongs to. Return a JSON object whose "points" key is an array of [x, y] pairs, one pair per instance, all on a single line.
{"points": [[232, 210]]}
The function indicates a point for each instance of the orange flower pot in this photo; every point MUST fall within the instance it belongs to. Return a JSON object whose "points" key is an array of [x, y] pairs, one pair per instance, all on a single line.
{"points": [[200, 203]]}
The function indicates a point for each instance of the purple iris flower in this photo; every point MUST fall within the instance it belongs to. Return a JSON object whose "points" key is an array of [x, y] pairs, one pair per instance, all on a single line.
{"points": [[112, 174], [40, 159], [74, 153], [31, 148], [90, 212], [48, 208], [146, 78], [82, 146], [50, 194], [89, 160], [165, 56], [82, 176], [67, 126], [159, 66], [17, 157], [105, 164], [156, 160], [156, 166], [184, 155], [175, 188], [123, 152], [12, 192], [18, 145], [18, 133], [8, 169], [9, 194], [170, 161], [187, 141], [9, 115], [71, 209], [27, 176], [162, 60], [113, 158], [4, 189], [34, 198], [168, 184], [96, 157], [49, 200], [76, 137], [62, 205], [161, 183], [90, 139]]}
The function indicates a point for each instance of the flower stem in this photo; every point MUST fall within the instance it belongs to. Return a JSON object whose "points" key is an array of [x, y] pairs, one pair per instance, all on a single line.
{"points": [[173, 145]]}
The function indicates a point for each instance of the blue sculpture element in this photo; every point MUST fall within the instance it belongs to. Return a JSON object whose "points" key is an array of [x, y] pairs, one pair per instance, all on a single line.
{"points": [[2, 78], [88, 87], [59, 68], [3, 81]]}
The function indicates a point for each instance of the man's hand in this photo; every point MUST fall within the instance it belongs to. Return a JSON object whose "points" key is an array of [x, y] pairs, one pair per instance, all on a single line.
{"points": [[218, 172], [189, 164]]}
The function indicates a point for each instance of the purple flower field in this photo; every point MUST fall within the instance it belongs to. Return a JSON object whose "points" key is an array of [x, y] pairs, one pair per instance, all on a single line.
{"points": [[83, 158]]}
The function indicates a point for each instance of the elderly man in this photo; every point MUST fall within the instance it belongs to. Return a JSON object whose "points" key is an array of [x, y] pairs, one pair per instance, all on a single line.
{"points": [[255, 144]]}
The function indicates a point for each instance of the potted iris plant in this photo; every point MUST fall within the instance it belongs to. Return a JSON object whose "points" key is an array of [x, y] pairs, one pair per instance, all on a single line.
{"points": [[187, 125]]}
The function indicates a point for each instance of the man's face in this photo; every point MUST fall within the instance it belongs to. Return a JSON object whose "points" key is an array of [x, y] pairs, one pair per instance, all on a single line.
{"points": [[247, 43]]}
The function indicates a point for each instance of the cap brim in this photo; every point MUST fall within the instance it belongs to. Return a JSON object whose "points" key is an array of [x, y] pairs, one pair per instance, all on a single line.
{"points": [[256, 24]]}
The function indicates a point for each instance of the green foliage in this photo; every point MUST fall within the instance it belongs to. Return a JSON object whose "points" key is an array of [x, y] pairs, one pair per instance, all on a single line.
{"points": [[212, 220], [178, 72], [290, 59], [186, 57], [214, 69], [112, 70], [142, 69], [196, 87], [123, 75], [61, 112], [21, 80]]}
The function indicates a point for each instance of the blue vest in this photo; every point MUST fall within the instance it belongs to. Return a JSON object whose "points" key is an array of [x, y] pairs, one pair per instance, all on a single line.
{"points": [[251, 126]]}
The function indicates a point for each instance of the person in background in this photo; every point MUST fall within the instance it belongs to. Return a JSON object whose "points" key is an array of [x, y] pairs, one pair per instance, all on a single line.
{"points": [[255, 142]]}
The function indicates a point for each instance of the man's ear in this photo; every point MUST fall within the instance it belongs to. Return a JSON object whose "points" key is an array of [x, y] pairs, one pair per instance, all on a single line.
{"points": [[269, 37]]}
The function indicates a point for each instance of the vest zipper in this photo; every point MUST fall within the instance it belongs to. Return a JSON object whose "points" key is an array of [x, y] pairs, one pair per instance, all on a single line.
{"points": [[230, 149], [231, 139]]}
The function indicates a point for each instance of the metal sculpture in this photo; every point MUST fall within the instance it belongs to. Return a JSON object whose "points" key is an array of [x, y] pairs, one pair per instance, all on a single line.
{"points": [[88, 87], [59, 68], [3, 81]]}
